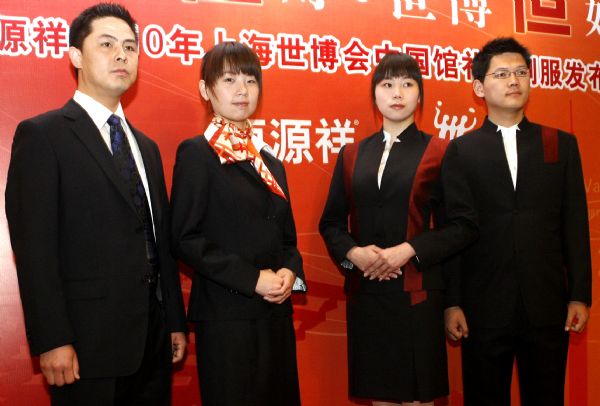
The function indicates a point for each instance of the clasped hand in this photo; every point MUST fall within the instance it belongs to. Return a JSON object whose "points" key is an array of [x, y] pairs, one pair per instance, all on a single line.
{"points": [[275, 287], [381, 263]]}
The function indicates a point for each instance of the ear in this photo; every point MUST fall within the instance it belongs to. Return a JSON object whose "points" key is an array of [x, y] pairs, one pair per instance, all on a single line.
{"points": [[478, 88], [75, 57], [203, 90]]}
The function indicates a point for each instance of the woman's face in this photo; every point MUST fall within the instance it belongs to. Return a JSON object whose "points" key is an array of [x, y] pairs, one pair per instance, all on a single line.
{"points": [[233, 97], [397, 98]]}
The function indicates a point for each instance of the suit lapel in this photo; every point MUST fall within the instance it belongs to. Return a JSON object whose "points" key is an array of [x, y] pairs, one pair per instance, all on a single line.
{"points": [[370, 159], [529, 152], [84, 128], [403, 161], [249, 169], [152, 175], [496, 155], [275, 169]]}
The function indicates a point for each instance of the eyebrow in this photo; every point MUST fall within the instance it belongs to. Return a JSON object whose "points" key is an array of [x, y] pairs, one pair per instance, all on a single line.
{"points": [[112, 37], [518, 67]]}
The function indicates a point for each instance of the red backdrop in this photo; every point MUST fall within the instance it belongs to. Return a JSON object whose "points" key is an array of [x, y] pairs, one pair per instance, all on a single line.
{"points": [[317, 56]]}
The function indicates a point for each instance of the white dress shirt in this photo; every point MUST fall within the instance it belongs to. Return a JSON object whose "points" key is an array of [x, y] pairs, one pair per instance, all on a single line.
{"points": [[99, 115], [389, 142], [509, 137]]}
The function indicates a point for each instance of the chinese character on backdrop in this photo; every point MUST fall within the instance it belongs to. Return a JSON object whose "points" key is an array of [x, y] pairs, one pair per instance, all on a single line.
{"points": [[545, 17], [474, 10], [593, 16], [14, 36]]}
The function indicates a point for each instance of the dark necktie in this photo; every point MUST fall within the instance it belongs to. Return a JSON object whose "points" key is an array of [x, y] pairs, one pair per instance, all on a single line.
{"points": [[127, 169]]}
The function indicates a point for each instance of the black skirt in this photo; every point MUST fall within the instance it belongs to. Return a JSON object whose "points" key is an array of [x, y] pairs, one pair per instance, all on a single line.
{"points": [[396, 352], [247, 362]]}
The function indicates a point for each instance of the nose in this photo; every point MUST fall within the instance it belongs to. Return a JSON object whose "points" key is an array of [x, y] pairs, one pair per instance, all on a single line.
{"points": [[242, 88], [398, 92], [513, 80], [120, 56]]}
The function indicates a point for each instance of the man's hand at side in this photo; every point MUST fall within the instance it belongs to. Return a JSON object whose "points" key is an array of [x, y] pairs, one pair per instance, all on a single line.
{"points": [[60, 365]]}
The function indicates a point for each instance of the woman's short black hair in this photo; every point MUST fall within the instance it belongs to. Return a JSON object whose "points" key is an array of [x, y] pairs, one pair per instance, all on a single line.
{"points": [[397, 65], [232, 57]]}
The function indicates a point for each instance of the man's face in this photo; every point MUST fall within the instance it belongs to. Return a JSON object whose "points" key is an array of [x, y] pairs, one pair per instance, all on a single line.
{"points": [[505, 94], [108, 60]]}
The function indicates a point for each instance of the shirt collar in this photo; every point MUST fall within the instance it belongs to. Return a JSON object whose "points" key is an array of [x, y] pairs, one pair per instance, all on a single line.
{"points": [[386, 137], [96, 110], [488, 126], [407, 130], [506, 131]]}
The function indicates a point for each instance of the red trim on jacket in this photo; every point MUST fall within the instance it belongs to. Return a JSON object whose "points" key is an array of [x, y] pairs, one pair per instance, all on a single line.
{"points": [[350, 154], [426, 174], [550, 140]]}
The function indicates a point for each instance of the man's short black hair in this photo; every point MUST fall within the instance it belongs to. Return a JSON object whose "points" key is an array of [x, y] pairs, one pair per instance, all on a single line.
{"points": [[501, 45], [82, 24]]}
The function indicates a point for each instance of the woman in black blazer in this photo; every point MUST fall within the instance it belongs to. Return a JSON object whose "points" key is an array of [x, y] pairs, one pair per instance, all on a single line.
{"points": [[384, 193], [233, 224]]}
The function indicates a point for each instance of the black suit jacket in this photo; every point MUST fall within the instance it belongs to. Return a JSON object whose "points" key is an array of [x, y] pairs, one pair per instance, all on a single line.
{"points": [[381, 214], [227, 226], [533, 241], [79, 245]]}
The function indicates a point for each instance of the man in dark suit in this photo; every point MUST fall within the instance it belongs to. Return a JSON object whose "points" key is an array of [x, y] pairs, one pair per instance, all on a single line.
{"points": [[88, 216], [526, 282]]}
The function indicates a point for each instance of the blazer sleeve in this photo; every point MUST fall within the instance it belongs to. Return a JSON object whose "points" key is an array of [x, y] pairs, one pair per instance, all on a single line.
{"points": [[575, 228], [459, 225], [291, 256], [333, 225], [169, 273], [189, 206], [32, 210]]}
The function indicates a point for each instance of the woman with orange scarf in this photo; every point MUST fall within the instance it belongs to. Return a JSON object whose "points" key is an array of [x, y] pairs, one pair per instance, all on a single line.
{"points": [[232, 224]]}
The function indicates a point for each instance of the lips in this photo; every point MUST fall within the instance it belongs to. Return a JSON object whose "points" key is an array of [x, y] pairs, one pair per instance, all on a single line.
{"points": [[397, 106], [121, 72], [241, 104]]}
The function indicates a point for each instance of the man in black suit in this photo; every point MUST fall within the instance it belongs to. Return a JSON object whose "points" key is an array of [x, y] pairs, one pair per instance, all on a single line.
{"points": [[88, 216], [526, 282]]}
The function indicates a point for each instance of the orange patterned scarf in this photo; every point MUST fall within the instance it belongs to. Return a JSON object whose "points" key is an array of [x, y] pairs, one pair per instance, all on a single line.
{"points": [[235, 145]]}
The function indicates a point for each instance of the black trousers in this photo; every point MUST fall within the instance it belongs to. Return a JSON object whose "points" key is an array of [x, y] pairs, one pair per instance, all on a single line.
{"points": [[150, 385], [488, 355]]}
